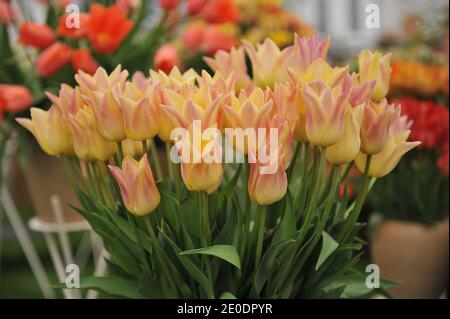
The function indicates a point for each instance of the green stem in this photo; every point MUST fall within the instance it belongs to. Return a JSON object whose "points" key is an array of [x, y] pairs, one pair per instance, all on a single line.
{"points": [[120, 153], [261, 216], [132, 220], [353, 217], [155, 159], [169, 162]]}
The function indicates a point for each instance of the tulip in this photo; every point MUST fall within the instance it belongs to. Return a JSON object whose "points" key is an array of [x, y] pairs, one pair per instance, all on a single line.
{"points": [[193, 35], [69, 100], [268, 62], [319, 70], [7, 12], [67, 27], [174, 80], [169, 5], [108, 114], [50, 131], [219, 37], [325, 113], [83, 60], [307, 50], [200, 175], [195, 6], [385, 161], [267, 182], [140, 118], [375, 126], [53, 59], [220, 11], [166, 58], [101, 81], [14, 98], [232, 62], [36, 35], [347, 147], [374, 66], [88, 143], [137, 185], [107, 27], [132, 148]]}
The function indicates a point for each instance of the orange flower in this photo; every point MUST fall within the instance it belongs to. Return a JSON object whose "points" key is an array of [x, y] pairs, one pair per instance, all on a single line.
{"points": [[52, 59], [7, 12], [83, 60], [107, 28], [36, 35], [220, 11], [68, 28], [195, 6], [218, 37], [166, 58], [169, 5], [14, 98]]}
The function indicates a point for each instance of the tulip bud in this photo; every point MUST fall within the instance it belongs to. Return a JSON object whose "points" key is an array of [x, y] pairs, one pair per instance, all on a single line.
{"points": [[50, 131], [169, 5], [14, 98], [140, 118], [375, 126], [347, 147], [195, 6], [37, 35], [266, 189], [325, 113], [166, 58], [137, 185], [52, 59], [108, 115], [201, 169], [374, 66], [83, 60], [89, 145]]}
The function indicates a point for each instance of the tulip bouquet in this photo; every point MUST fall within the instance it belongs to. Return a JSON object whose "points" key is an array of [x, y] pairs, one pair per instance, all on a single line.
{"points": [[242, 204]]}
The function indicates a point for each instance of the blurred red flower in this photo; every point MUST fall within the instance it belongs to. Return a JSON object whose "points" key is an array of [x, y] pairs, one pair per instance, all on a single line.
{"points": [[83, 60], [107, 27], [169, 5], [220, 11], [36, 35], [7, 12], [68, 29], [14, 98], [431, 121], [195, 6], [52, 59], [166, 58]]}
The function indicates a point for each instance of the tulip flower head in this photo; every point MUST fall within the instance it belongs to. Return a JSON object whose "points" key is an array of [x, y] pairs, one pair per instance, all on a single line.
{"points": [[50, 130], [53, 59], [375, 66], [88, 143], [37, 35], [14, 98], [137, 185]]}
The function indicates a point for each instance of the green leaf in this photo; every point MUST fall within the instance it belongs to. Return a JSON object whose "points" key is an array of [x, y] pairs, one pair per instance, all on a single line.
{"points": [[227, 295], [114, 286], [225, 252], [328, 246], [287, 227], [191, 268], [269, 264]]}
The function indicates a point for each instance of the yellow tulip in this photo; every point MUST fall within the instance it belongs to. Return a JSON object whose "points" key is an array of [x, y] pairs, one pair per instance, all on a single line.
{"points": [[347, 147], [325, 113], [375, 66], [376, 121], [101, 81], [108, 114], [88, 143], [137, 185], [50, 130]]}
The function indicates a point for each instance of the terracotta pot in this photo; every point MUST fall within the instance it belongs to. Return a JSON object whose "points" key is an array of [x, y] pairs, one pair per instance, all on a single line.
{"points": [[45, 177], [414, 255]]}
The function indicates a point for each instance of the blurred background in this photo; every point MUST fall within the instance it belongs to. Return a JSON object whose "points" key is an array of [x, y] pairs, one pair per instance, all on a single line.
{"points": [[416, 31]]}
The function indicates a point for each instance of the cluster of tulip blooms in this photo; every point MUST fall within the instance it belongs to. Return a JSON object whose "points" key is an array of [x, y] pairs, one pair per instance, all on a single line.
{"points": [[322, 114]]}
